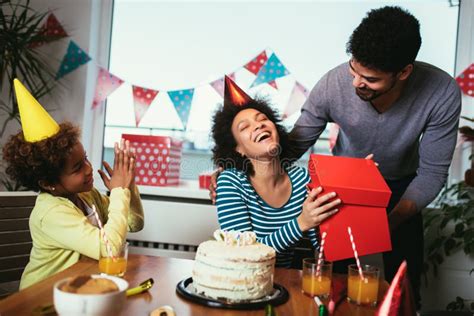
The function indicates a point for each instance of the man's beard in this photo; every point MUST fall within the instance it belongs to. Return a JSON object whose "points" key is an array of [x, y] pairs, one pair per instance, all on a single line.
{"points": [[366, 94]]}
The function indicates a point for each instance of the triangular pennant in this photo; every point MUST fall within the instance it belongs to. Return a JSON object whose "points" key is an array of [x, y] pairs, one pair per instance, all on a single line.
{"points": [[142, 98], [231, 76], [233, 94], [218, 85], [273, 84], [182, 100], [51, 29], [54, 28], [333, 133], [105, 85], [297, 98], [255, 64], [74, 58], [271, 70], [466, 80]]}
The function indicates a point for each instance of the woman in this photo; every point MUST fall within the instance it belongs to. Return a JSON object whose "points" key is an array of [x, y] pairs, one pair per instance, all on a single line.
{"points": [[259, 189]]}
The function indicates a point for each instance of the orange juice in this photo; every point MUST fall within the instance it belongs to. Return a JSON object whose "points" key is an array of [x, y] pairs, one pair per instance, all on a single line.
{"points": [[362, 292], [113, 266], [316, 285]]}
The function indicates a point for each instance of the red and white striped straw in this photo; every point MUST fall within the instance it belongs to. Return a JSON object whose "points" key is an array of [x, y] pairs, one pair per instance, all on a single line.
{"points": [[106, 240], [355, 253], [320, 257]]}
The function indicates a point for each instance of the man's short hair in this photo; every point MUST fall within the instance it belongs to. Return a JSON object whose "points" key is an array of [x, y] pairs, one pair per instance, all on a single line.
{"points": [[387, 39]]}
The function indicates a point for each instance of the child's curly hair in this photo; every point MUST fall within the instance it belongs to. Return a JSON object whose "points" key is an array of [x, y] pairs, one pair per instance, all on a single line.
{"points": [[28, 163], [224, 153]]}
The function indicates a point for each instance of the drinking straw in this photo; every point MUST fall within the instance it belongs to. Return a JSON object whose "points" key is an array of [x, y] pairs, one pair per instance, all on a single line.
{"points": [[355, 253], [320, 257], [102, 230]]}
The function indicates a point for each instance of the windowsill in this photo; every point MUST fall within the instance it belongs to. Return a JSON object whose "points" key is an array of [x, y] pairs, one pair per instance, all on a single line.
{"points": [[188, 189]]}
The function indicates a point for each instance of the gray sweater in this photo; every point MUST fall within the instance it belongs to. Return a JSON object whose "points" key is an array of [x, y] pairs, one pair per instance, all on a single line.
{"points": [[417, 134]]}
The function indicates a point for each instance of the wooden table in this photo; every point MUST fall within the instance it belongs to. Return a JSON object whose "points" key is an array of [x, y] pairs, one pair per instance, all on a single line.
{"points": [[167, 272]]}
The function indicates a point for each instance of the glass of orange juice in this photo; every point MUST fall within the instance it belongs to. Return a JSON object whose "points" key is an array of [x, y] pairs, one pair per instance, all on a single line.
{"points": [[363, 291], [316, 283], [116, 265]]}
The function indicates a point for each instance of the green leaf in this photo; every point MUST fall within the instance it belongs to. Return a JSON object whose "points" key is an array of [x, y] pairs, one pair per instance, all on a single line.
{"points": [[449, 245]]}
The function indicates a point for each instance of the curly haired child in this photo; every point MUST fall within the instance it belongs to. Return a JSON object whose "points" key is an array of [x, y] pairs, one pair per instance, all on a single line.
{"points": [[62, 224]]}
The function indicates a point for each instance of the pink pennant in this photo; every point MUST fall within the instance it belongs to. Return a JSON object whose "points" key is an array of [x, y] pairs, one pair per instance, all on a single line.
{"points": [[273, 84], [298, 96], [106, 84], [466, 80], [218, 85], [333, 133], [231, 76], [142, 98], [255, 64], [302, 88]]}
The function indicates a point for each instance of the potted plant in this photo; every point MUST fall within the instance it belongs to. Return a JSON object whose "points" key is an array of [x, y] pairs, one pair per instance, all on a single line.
{"points": [[449, 225], [20, 32]]}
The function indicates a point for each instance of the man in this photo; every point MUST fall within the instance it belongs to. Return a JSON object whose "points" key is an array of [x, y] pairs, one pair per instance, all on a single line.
{"points": [[405, 113]]}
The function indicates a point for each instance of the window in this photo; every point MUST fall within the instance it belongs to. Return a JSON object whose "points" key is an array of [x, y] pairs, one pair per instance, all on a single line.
{"points": [[175, 45]]}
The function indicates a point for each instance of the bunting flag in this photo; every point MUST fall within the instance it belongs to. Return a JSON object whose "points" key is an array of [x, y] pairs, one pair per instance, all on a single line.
{"points": [[74, 58], [273, 84], [142, 98], [466, 80], [182, 100], [298, 96], [231, 76], [218, 85], [105, 85], [51, 29], [271, 70], [333, 133], [256, 64]]}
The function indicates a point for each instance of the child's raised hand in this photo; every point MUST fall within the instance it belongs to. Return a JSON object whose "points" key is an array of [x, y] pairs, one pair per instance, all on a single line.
{"points": [[123, 173]]}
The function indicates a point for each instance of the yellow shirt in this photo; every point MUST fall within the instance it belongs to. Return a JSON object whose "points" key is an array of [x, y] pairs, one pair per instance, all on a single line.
{"points": [[61, 232]]}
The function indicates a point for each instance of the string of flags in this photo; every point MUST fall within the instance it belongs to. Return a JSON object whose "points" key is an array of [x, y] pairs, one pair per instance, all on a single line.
{"points": [[267, 70]]}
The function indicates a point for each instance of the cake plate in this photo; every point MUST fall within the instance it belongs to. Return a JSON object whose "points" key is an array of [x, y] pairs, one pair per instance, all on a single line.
{"points": [[186, 290]]}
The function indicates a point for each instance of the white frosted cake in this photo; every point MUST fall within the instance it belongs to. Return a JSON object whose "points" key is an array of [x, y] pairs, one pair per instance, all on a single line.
{"points": [[234, 267]]}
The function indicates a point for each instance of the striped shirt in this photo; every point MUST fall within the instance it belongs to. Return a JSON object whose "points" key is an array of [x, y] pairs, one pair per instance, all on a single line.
{"points": [[240, 208]]}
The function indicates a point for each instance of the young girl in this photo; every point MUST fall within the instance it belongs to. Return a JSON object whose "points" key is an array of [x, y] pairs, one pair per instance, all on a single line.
{"points": [[259, 190], [62, 224]]}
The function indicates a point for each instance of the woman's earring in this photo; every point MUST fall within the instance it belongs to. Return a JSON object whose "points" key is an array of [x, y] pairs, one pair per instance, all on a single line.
{"points": [[53, 188]]}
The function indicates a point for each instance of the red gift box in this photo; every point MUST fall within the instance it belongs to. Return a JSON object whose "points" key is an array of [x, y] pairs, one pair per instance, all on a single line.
{"points": [[158, 159], [205, 180], [364, 195]]}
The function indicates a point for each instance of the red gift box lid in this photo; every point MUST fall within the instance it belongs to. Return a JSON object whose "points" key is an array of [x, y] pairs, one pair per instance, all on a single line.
{"points": [[355, 180]]}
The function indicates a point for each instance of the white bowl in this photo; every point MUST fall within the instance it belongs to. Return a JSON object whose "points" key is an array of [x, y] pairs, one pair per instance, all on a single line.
{"points": [[72, 304]]}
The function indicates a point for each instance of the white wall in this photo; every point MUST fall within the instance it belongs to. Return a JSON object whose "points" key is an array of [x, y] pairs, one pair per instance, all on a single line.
{"points": [[83, 20]]}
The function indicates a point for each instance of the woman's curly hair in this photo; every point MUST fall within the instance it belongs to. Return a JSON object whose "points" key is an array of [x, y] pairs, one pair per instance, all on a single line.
{"points": [[28, 163], [224, 152], [387, 39]]}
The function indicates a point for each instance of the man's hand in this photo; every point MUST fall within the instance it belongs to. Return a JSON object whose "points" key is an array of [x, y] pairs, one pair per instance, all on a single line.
{"points": [[371, 157], [400, 213], [213, 184]]}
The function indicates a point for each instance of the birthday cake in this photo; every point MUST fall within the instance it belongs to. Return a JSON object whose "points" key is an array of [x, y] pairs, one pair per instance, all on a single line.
{"points": [[234, 267]]}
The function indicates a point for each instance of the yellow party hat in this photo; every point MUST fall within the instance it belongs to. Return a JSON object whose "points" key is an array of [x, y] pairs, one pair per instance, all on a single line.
{"points": [[37, 124]]}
